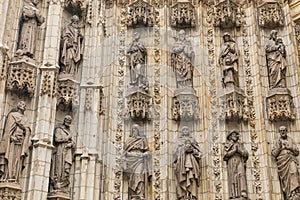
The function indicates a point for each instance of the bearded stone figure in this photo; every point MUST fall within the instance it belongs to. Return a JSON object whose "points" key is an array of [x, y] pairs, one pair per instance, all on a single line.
{"points": [[136, 160], [276, 61], [62, 157], [285, 152], [31, 19], [187, 168], [228, 60], [14, 144], [182, 58], [72, 49], [236, 157]]}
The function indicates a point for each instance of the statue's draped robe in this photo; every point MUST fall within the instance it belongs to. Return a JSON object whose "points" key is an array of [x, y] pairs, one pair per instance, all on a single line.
{"points": [[187, 169], [13, 153], [287, 165], [236, 167], [276, 65]]}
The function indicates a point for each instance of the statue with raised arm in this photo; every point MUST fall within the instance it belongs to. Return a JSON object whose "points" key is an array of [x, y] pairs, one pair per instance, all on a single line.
{"points": [[285, 152], [14, 144]]}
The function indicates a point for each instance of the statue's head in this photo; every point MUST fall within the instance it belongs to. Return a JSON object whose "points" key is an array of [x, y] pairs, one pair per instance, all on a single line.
{"points": [[136, 36], [273, 34], [226, 37], [67, 120], [283, 132], [135, 130], [185, 131], [35, 2], [21, 106], [181, 35], [233, 135], [74, 21]]}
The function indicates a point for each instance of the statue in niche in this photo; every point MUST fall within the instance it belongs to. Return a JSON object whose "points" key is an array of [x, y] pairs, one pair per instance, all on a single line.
{"points": [[236, 157], [62, 156], [31, 19], [136, 160], [187, 168], [137, 54], [285, 152], [182, 59], [14, 144], [72, 48], [228, 60], [276, 61]]}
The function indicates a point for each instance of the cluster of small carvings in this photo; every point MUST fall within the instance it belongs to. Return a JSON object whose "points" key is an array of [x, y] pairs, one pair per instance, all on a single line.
{"points": [[21, 77], [88, 98], [3, 73], [280, 107], [185, 107], [140, 12], [183, 15], [270, 14], [101, 103], [139, 105], [7, 193], [227, 14], [46, 84], [67, 93]]}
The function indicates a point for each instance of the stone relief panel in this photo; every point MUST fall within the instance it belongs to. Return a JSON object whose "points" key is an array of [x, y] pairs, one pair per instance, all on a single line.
{"points": [[286, 152], [270, 14], [187, 158], [140, 12], [183, 15]]}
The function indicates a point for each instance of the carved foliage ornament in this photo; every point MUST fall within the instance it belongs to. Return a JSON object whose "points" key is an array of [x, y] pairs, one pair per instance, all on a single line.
{"points": [[140, 12], [270, 15], [185, 107], [227, 15], [10, 191], [183, 15], [139, 105], [67, 93]]}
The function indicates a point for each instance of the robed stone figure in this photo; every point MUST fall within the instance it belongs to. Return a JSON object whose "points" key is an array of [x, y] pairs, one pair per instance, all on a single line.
{"points": [[72, 48], [236, 157], [62, 156], [187, 168], [285, 152], [276, 61], [14, 144], [228, 60], [136, 163], [182, 59], [31, 19]]}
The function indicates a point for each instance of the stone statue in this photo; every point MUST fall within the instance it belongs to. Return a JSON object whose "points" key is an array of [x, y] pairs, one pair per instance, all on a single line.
{"points": [[31, 19], [236, 157], [187, 168], [276, 61], [285, 152], [62, 157], [182, 58], [14, 144], [136, 158], [72, 49], [228, 60], [137, 54]]}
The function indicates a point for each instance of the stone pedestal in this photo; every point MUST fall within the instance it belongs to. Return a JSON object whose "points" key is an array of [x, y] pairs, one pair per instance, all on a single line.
{"points": [[185, 105], [280, 105], [67, 94], [183, 15], [232, 104], [270, 15], [10, 191], [58, 196], [227, 15]]}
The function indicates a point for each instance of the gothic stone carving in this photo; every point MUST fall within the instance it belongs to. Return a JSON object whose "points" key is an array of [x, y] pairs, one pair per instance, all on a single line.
{"points": [[285, 152], [67, 94], [280, 105], [270, 14], [227, 15], [187, 168], [76, 6], [236, 157], [62, 158], [21, 77], [10, 191], [140, 12], [31, 19], [139, 104], [232, 105], [185, 105], [72, 49], [136, 163], [183, 15], [14, 144]]}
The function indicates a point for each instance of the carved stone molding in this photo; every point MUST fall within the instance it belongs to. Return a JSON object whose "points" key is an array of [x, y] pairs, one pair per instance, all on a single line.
{"points": [[232, 104], [10, 191], [183, 15], [185, 105], [5, 58], [270, 15], [21, 77], [140, 12], [138, 104], [227, 14], [280, 105], [67, 94], [58, 196]]}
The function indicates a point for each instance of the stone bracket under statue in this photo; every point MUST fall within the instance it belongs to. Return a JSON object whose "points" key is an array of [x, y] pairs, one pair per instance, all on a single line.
{"points": [[67, 94], [10, 191], [270, 15], [183, 15]]}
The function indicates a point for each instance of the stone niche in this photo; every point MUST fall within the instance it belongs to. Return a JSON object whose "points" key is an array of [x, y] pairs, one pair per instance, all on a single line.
{"points": [[232, 103], [67, 94], [21, 77], [270, 14], [280, 106], [227, 15], [138, 104], [183, 14], [185, 105], [140, 12], [10, 191]]}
